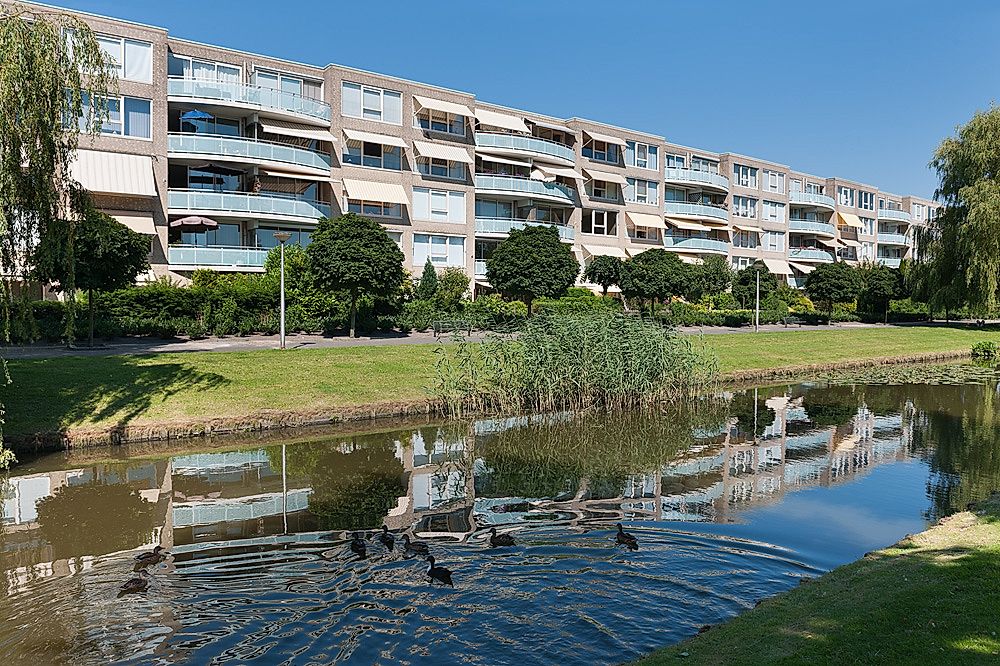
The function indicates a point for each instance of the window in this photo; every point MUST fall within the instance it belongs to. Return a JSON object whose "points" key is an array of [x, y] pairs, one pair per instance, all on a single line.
{"points": [[739, 263], [601, 151], [497, 210], [640, 155], [645, 233], [600, 189], [869, 225], [773, 211], [795, 185], [600, 222], [774, 241], [376, 155], [867, 250], [702, 164], [674, 161], [866, 200], [291, 85], [439, 121], [641, 191], [264, 237], [127, 116], [441, 250], [745, 176], [202, 70], [845, 195], [919, 210], [748, 239], [432, 166], [371, 103], [744, 207], [131, 59], [815, 188], [774, 181], [438, 205], [224, 235], [376, 208], [545, 214]]}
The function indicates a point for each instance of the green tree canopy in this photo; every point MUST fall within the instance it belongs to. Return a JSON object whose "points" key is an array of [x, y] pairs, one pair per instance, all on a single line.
{"points": [[428, 285], [837, 282], [452, 286], [656, 275], [710, 278], [879, 285], [603, 270], [355, 254], [745, 284], [532, 262]]}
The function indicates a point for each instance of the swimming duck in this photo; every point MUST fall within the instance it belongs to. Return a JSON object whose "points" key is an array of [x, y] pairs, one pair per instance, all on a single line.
{"points": [[411, 548], [623, 538], [358, 546], [387, 538], [150, 558], [497, 540], [439, 574], [134, 585]]}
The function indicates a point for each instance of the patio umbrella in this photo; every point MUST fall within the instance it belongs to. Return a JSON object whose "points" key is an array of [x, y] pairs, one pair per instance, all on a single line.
{"points": [[194, 223], [196, 114]]}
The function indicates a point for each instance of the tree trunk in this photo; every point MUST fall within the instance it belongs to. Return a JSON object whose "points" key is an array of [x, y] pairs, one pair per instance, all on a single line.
{"points": [[604, 294], [354, 313], [90, 304]]}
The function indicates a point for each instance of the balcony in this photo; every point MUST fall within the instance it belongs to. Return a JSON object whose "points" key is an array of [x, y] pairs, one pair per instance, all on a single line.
{"points": [[891, 262], [695, 244], [248, 150], [254, 97], [244, 204], [502, 226], [811, 227], [811, 199], [697, 210], [892, 239], [480, 268], [520, 144], [809, 254], [682, 176], [512, 186], [897, 215], [181, 257]]}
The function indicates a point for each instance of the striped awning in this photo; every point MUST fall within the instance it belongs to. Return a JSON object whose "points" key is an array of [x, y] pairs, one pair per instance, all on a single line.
{"points": [[606, 138], [371, 137], [502, 120], [646, 220], [442, 151], [748, 227], [560, 171], [441, 105], [552, 126], [300, 131], [829, 242], [102, 172], [366, 190], [687, 225], [850, 220], [605, 251], [849, 242], [138, 221], [777, 266], [606, 176], [802, 268]]}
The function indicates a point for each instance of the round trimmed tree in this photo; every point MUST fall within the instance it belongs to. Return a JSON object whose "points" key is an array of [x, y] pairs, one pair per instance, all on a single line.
{"points": [[532, 262], [605, 271], [745, 284], [838, 282], [655, 275]]}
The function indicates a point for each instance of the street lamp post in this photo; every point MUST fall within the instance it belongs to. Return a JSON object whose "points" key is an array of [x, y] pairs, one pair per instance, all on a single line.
{"points": [[282, 238]]}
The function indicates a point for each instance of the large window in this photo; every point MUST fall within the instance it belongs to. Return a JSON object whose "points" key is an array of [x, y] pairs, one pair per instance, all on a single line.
{"points": [[601, 222], [671, 160], [126, 116], [774, 181], [292, 85], [601, 189], [702, 164], [845, 195], [749, 239], [441, 250], [432, 166], [438, 205], [492, 209], [919, 212], [376, 208], [773, 211], [226, 235], [641, 191], [371, 103], [439, 121], [774, 241], [866, 200], [744, 207], [815, 188], [264, 236], [376, 155], [745, 176], [869, 225], [203, 70], [642, 155], [132, 60], [601, 151]]}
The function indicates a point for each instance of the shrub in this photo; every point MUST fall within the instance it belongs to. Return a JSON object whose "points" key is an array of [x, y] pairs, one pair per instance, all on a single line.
{"points": [[985, 350], [491, 311], [418, 315]]}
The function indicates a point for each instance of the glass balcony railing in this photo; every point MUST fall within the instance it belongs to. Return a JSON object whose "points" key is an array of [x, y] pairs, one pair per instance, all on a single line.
{"points": [[891, 262], [211, 145], [891, 239], [480, 268], [521, 186], [245, 203], [811, 199], [525, 144], [241, 94], [695, 210], [809, 254], [681, 175], [695, 244], [888, 214], [496, 225], [811, 227], [199, 256]]}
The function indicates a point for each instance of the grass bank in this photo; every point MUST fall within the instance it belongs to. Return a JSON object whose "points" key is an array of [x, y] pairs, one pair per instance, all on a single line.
{"points": [[269, 388], [930, 599]]}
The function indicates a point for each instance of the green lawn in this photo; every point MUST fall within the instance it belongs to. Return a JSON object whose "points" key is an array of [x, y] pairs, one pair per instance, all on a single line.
{"points": [[931, 599], [100, 392]]}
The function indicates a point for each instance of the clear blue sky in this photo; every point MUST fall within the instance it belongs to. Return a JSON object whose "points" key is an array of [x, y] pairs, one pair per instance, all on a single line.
{"points": [[858, 89]]}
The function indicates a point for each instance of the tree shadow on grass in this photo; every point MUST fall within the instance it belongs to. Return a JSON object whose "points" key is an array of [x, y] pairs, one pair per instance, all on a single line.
{"points": [[48, 397]]}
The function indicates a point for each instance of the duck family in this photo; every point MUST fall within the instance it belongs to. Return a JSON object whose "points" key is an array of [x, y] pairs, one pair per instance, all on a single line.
{"points": [[142, 562]]}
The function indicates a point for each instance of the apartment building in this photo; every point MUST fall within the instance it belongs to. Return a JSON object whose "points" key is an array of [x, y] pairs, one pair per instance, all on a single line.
{"points": [[211, 151]]}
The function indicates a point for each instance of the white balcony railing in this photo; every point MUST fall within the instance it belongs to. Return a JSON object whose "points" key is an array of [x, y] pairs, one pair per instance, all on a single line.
{"points": [[695, 244], [496, 225], [682, 175], [252, 150], [689, 209], [525, 144], [245, 203], [809, 254], [891, 239], [812, 199], [257, 97], [198, 256], [519, 186], [811, 227], [889, 214]]}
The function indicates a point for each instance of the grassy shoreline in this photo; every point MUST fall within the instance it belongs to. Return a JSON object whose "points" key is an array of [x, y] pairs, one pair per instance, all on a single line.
{"points": [[183, 392], [929, 599]]}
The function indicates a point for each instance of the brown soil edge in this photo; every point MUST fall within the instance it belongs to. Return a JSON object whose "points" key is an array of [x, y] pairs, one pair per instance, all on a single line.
{"points": [[275, 420]]}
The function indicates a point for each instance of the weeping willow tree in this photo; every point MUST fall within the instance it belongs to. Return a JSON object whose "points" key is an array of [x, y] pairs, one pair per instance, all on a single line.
{"points": [[51, 68], [959, 254]]}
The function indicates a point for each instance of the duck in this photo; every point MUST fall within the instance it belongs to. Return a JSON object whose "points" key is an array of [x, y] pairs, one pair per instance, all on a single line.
{"points": [[387, 538], [150, 558], [411, 548], [497, 540], [439, 574], [623, 538], [134, 585], [358, 546]]}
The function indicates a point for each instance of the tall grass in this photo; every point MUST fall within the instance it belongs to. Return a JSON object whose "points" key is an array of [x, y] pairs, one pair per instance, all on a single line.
{"points": [[572, 361]]}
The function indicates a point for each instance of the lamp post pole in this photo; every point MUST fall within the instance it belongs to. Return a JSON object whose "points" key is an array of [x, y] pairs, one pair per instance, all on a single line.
{"points": [[282, 238], [756, 313]]}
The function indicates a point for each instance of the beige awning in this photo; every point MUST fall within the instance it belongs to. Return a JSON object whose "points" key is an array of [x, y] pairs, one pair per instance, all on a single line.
{"points": [[102, 172], [366, 190], [689, 259], [295, 129], [850, 242], [504, 160], [443, 152], [777, 266], [494, 119], [850, 220], [829, 242], [139, 221], [295, 176], [371, 137], [687, 225], [441, 105], [560, 171], [646, 220], [605, 251], [606, 138], [552, 126], [749, 227], [642, 248], [606, 176], [802, 268]]}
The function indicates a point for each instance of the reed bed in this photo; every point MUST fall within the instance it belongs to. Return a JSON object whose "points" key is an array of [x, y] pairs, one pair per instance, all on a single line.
{"points": [[574, 361]]}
